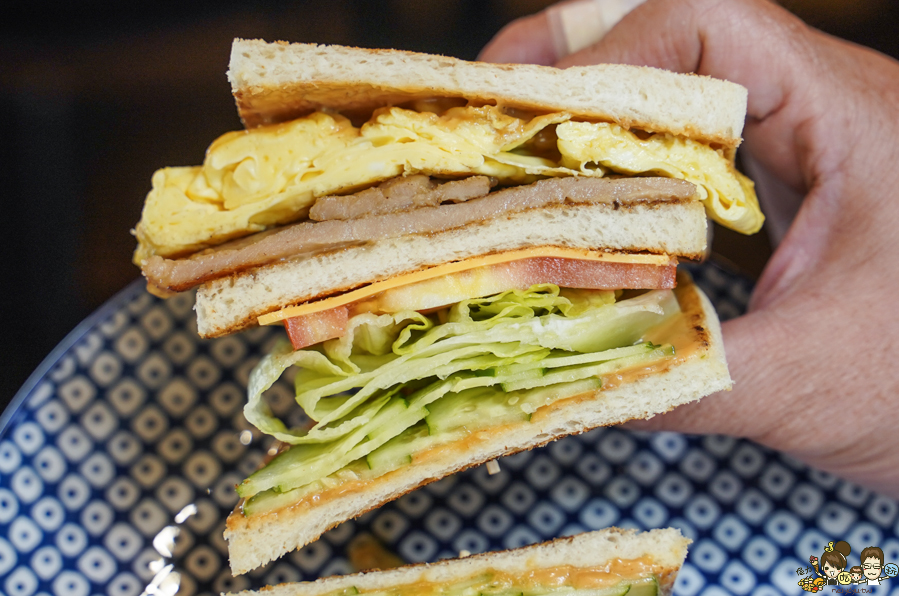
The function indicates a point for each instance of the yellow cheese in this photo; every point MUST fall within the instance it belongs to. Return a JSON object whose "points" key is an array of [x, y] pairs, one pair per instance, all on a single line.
{"points": [[252, 180], [456, 267]]}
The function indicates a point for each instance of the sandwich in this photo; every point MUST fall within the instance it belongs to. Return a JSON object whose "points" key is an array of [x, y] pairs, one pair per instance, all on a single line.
{"points": [[469, 260], [609, 562]]}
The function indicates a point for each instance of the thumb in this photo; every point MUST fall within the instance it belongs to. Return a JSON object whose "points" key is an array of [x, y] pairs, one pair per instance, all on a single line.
{"points": [[727, 412], [559, 30], [524, 41]]}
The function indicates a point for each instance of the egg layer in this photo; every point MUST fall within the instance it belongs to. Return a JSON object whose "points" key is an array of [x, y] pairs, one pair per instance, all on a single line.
{"points": [[255, 179]]}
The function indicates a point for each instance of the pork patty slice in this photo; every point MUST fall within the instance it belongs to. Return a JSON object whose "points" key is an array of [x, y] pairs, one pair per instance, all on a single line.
{"points": [[313, 237], [399, 194]]}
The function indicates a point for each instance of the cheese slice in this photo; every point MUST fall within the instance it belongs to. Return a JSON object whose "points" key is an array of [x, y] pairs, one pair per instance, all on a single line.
{"points": [[459, 266]]}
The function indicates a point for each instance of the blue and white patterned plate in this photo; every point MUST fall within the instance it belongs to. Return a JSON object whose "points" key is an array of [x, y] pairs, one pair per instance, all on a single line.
{"points": [[118, 461]]}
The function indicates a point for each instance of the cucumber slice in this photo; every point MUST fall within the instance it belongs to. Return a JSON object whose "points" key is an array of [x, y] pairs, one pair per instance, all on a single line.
{"points": [[295, 463], [525, 375], [394, 424], [483, 586], [271, 499], [561, 358], [645, 587], [523, 363], [398, 451], [529, 400], [471, 585], [576, 373], [613, 354], [472, 409], [648, 586]]}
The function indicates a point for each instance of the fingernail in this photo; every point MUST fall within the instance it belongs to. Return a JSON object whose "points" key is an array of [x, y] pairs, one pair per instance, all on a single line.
{"points": [[576, 25]]}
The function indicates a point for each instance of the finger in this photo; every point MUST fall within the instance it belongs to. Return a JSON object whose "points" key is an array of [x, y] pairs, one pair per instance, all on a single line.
{"points": [[780, 203], [770, 392], [802, 381], [738, 412], [524, 41], [751, 42], [561, 29]]}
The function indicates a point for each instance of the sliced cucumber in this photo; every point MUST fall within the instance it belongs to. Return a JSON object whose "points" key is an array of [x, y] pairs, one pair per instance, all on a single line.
{"points": [[648, 586], [535, 372], [645, 587], [529, 400], [559, 358], [270, 500], [394, 424], [398, 451], [568, 374], [295, 463], [472, 409], [558, 361], [483, 586]]}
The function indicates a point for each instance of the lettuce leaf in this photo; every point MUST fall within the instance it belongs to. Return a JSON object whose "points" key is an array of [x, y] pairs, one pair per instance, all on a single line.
{"points": [[345, 384]]}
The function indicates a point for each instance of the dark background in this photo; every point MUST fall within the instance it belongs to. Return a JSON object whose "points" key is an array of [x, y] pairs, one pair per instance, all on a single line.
{"points": [[96, 95]]}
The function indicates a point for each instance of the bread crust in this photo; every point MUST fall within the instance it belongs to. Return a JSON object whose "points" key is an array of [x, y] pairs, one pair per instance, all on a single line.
{"points": [[256, 540], [275, 82]]}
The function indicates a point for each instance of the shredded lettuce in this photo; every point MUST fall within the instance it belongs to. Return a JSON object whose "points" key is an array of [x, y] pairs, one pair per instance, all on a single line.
{"points": [[351, 387]]}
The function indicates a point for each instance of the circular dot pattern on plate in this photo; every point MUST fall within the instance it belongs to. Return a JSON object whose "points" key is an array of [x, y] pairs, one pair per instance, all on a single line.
{"points": [[118, 462]]}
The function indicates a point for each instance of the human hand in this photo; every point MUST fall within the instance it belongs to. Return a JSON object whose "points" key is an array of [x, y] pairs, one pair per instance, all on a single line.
{"points": [[814, 359]]}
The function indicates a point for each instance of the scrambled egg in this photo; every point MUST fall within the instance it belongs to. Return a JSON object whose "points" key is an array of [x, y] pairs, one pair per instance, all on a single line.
{"points": [[252, 180]]}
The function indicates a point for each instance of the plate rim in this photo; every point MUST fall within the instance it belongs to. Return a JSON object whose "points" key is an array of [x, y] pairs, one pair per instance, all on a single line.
{"points": [[114, 303]]}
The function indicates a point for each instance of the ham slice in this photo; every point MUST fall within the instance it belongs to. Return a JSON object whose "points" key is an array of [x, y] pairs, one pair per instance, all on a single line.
{"points": [[312, 328], [309, 238]]}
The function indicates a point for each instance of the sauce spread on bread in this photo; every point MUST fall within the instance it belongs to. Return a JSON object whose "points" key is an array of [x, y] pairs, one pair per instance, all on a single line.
{"points": [[612, 573]]}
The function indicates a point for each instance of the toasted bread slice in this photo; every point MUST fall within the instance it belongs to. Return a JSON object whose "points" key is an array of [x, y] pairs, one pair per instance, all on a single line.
{"points": [[698, 369], [274, 82], [608, 556], [233, 303]]}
